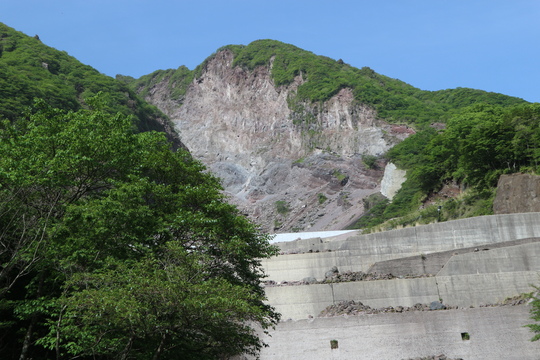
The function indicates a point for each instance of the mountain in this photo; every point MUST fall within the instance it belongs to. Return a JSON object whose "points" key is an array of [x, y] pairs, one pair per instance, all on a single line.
{"points": [[29, 69], [298, 139]]}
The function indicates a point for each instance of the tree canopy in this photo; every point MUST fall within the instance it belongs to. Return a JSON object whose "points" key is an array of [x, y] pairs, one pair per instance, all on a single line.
{"points": [[30, 69], [479, 144], [114, 246]]}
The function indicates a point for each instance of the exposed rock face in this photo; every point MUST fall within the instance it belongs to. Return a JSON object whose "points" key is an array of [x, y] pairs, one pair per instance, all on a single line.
{"points": [[309, 158], [517, 193], [392, 180]]}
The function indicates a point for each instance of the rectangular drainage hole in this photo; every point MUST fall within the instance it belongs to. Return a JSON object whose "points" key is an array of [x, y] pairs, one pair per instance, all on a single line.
{"points": [[333, 344], [465, 336]]}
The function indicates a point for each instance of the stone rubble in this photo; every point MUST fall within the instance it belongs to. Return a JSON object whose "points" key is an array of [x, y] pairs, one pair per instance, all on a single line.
{"points": [[352, 307], [333, 276], [434, 357]]}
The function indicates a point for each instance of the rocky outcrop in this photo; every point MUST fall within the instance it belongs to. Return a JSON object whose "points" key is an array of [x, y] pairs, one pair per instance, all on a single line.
{"points": [[392, 180], [269, 148], [517, 193]]}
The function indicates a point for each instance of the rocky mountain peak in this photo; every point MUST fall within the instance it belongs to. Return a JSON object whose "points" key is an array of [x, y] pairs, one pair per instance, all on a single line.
{"points": [[289, 164]]}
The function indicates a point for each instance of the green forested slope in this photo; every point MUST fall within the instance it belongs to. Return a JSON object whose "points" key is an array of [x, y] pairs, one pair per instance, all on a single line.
{"points": [[29, 69], [480, 143]]}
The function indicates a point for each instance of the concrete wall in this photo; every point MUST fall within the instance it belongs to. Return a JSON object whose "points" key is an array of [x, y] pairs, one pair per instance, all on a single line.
{"points": [[448, 235], [298, 266], [524, 257], [495, 333], [467, 278], [359, 253], [300, 302], [489, 276], [432, 263], [476, 290], [470, 279]]}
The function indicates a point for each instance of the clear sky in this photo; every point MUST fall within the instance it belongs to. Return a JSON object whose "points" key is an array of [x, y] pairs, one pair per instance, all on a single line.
{"points": [[493, 45]]}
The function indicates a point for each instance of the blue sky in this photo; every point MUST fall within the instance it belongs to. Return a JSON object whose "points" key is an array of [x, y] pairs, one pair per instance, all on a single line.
{"points": [[493, 45]]}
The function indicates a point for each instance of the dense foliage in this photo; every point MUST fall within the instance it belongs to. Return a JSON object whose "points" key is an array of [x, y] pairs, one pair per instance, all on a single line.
{"points": [[478, 145], [29, 69], [113, 246], [178, 81]]}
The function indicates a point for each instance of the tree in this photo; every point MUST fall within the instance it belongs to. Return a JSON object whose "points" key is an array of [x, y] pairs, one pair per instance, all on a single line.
{"points": [[115, 246]]}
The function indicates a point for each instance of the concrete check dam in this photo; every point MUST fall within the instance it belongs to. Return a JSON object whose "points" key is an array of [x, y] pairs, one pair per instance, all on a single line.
{"points": [[464, 264]]}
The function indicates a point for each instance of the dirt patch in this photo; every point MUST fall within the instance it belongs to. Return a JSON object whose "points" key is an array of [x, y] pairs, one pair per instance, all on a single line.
{"points": [[448, 191]]}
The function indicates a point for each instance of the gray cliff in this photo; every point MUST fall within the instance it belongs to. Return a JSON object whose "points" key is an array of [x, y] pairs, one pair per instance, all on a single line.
{"points": [[242, 128]]}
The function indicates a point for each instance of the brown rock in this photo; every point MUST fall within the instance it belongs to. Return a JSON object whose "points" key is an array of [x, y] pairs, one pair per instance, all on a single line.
{"points": [[517, 193]]}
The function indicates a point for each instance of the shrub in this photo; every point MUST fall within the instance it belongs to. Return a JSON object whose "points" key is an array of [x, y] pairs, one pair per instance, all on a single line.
{"points": [[282, 207]]}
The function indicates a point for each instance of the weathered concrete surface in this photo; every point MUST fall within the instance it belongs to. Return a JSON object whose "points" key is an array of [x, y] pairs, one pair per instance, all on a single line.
{"points": [[300, 302], [298, 266], [432, 263], [359, 253], [524, 257], [475, 290], [448, 235], [490, 276], [469, 279], [478, 261], [395, 292], [495, 333]]}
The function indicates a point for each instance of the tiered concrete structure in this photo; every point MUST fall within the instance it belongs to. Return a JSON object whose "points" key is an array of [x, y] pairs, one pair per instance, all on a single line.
{"points": [[473, 262]]}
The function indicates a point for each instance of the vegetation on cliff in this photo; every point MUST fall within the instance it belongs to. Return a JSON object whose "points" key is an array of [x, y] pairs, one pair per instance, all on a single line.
{"points": [[478, 145], [486, 134], [394, 100], [535, 314], [29, 69], [115, 246]]}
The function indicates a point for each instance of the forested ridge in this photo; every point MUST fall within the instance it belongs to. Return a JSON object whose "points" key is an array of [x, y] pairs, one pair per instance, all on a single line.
{"points": [[29, 69], [114, 245]]}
